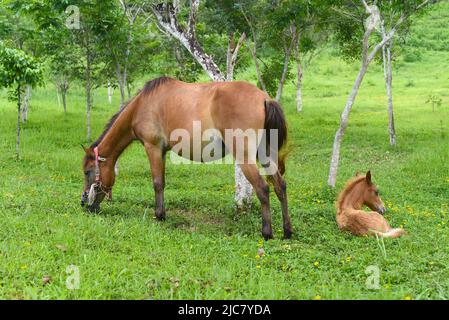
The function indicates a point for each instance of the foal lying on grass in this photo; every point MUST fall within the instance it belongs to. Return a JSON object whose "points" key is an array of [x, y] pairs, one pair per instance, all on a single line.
{"points": [[358, 192]]}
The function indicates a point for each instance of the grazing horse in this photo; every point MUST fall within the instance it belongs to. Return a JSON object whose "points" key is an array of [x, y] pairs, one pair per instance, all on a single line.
{"points": [[358, 192], [165, 105]]}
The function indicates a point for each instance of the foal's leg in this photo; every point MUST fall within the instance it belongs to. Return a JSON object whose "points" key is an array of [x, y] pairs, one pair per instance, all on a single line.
{"points": [[251, 173], [157, 163], [280, 187]]}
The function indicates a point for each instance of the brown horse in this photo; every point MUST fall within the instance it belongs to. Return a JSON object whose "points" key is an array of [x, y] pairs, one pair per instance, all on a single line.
{"points": [[358, 192], [166, 105]]}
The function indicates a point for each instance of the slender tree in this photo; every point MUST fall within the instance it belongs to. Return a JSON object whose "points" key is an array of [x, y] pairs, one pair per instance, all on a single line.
{"points": [[18, 69]]}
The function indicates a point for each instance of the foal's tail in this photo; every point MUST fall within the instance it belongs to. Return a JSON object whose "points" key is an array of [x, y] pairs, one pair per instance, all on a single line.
{"points": [[392, 233], [275, 119]]}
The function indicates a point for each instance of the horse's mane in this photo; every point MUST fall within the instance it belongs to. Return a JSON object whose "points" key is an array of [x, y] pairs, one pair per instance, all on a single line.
{"points": [[149, 87], [350, 185]]}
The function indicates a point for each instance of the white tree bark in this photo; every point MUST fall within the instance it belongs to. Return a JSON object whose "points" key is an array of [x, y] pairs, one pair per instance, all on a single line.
{"points": [[166, 16], [26, 102], [388, 75], [110, 92], [232, 54]]}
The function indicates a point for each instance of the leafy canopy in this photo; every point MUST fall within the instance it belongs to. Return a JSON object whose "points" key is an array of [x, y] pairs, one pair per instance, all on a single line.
{"points": [[17, 68]]}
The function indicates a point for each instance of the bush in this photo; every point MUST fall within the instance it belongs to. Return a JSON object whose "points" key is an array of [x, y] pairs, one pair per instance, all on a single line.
{"points": [[412, 56]]}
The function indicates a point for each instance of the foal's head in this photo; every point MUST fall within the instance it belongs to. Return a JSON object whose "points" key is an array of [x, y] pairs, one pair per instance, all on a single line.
{"points": [[370, 195], [94, 191]]}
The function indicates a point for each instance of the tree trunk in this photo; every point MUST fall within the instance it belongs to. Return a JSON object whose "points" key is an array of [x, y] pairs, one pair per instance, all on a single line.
{"points": [[256, 65], [121, 84], [388, 73], [243, 190], [26, 92], [88, 97], [110, 92], [231, 55], [64, 99], [299, 89], [299, 75], [254, 51], [229, 66], [343, 125], [19, 103], [288, 52]]}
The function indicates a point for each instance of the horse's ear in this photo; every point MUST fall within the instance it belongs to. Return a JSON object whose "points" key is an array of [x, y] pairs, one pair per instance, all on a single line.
{"points": [[357, 174], [368, 177], [84, 148]]}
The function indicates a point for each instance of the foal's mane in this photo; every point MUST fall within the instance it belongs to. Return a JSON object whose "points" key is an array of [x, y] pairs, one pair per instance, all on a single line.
{"points": [[350, 185], [149, 87]]}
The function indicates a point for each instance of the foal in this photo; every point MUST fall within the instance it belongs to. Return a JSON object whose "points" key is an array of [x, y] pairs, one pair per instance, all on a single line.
{"points": [[358, 192]]}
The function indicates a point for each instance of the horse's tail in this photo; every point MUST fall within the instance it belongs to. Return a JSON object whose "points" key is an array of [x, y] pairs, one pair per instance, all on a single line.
{"points": [[275, 120]]}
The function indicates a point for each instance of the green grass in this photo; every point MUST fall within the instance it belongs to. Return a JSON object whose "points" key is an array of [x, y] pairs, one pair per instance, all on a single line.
{"points": [[204, 250]]}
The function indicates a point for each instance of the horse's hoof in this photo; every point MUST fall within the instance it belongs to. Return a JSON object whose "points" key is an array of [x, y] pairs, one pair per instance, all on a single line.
{"points": [[288, 234], [267, 235]]}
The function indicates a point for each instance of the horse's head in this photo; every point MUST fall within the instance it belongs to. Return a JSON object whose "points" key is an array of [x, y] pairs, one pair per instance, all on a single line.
{"points": [[371, 196], [98, 180]]}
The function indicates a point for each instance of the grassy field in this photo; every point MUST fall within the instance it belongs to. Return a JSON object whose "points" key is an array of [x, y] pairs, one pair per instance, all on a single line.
{"points": [[204, 250]]}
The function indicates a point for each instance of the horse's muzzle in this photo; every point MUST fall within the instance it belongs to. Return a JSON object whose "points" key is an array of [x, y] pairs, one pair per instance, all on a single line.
{"points": [[381, 210]]}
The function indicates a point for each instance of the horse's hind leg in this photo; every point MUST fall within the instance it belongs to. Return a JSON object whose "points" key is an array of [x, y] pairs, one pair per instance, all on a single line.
{"points": [[251, 173], [157, 162], [280, 187]]}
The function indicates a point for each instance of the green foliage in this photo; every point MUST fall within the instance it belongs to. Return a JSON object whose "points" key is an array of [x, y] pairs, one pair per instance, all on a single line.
{"points": [[412, 55], [271, 73], [18, 69]]}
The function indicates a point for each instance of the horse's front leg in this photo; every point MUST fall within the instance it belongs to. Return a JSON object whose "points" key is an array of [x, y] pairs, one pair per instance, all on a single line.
{"points": [[157, 162]]}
